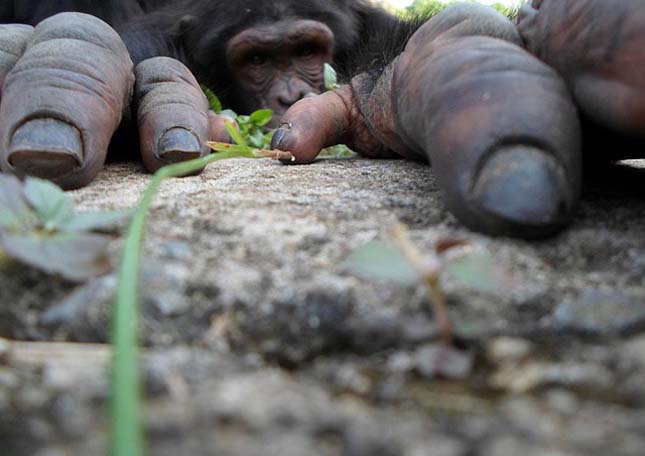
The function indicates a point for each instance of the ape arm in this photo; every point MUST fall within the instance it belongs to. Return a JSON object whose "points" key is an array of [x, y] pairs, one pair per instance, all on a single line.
{"points": [[172, 113]]}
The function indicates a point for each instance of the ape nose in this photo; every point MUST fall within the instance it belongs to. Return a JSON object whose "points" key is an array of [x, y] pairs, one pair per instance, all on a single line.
{"points": [[288, 98]]}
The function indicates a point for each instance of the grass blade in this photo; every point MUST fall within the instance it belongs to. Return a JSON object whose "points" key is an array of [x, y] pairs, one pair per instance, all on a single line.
{"points": [[127, 437]]}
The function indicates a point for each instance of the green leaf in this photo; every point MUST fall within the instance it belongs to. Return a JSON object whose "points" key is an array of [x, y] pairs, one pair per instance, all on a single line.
{"points": [[234, 133], [261, 117], [75, 256], [338, 151], [95, 221], [267, 139], [51, 203], [476, 271], [331, 78], [15, 214], [256, 139], [213, 101], [381, 261]]}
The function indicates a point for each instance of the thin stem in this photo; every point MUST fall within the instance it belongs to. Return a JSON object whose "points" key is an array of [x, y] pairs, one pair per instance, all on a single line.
{"points": [[429, 272]]}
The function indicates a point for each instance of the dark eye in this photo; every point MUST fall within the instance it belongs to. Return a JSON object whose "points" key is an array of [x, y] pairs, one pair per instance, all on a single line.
{"points": [[306, 52], [257, 59]]}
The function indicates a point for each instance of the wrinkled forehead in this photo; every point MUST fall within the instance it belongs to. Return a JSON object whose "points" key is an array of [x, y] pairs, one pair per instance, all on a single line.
{"points": [[280, 34]]}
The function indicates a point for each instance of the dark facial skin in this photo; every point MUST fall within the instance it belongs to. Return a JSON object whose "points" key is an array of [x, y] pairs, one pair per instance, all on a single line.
{"points": [[278, 64], [598, 46]]}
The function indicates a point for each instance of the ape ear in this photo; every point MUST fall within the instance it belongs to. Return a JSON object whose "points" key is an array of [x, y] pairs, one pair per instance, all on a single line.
{"points": [[187, 22]]}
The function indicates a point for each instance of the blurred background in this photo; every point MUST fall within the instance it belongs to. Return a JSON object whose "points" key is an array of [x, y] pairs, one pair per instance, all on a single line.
{"points": [[423, 5]]}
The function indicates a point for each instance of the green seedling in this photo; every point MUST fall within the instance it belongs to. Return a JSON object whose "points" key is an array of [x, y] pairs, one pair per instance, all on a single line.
{"points": [[398, 260], [252, 132], [248, 130], [39, 227], [330, 77]]}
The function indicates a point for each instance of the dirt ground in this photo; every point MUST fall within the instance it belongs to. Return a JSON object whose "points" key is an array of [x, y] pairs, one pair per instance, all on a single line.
{"points": [[260, 341]]}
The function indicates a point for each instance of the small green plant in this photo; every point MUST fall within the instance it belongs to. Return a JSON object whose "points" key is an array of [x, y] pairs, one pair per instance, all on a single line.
{"points": [[330, 77], [39, 227], [398, 260], [251, 130], [248, 130], [213, 102], [251, 134]]}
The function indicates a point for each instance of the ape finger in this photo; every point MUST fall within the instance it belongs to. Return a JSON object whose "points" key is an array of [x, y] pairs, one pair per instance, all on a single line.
{"points": [[13, 41], [314, 123], [598, 47], [217, 127], [499, 128], [172, 113], [63, 100]]}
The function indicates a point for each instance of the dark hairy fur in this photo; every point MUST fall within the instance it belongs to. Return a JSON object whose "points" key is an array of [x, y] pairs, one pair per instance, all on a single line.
{"points": [[113, 12], [196, 31]]}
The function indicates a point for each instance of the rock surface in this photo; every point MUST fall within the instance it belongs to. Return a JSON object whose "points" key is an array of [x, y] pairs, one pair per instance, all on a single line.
{"points": [[260, 341]]}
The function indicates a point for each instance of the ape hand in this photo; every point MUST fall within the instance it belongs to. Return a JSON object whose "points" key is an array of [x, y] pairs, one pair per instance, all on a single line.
{"points": [[498, 125], [63, 99], [67, 84]]}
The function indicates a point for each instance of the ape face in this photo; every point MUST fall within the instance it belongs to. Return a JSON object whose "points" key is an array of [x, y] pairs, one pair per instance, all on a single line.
{"points": [[266, 54], [278, 64]]}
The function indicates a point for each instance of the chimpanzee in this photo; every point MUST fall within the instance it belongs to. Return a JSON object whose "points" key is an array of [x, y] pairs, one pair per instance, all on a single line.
{"points": [[499, 125], [67, 83]]}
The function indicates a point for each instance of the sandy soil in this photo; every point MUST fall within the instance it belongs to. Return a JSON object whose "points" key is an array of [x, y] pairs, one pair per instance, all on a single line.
{"points": [[259, 340]]}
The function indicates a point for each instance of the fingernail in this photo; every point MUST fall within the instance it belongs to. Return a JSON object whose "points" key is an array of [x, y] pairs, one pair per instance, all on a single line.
{"points": [[46, 148], [280, 137], [524, 187], [178, 144]]}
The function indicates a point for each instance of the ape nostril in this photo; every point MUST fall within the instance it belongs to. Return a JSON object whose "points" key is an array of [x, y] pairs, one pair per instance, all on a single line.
{"points": [[287, 99], [286, 102]]}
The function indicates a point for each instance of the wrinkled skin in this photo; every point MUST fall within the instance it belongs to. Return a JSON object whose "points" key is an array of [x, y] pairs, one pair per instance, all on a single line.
{"points": [[67, 84], [278, 64], [598, 46], [498, 125]]}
